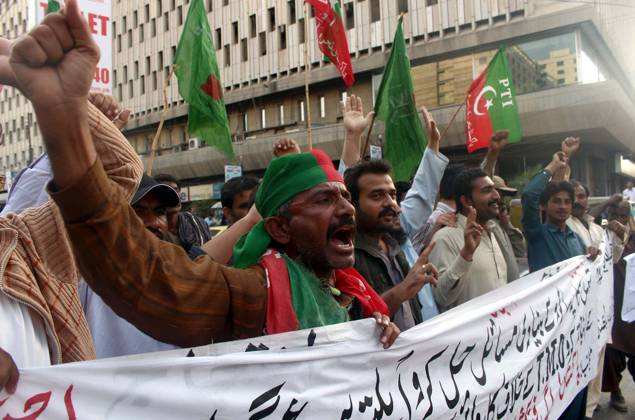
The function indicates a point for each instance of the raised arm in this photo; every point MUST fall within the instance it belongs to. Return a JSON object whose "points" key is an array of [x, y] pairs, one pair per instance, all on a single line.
{"points": [[531, 195], [496, 145], [419, 202], [355, 123], [151, 283]]}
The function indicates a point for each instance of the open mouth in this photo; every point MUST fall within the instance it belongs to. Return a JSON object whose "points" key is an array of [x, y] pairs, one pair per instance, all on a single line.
{"points": [[342, 238]]}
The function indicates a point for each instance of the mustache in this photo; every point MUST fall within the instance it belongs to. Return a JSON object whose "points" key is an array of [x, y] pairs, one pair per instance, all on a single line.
{"points": [[346, 221], [578, 206], [388, 212]]}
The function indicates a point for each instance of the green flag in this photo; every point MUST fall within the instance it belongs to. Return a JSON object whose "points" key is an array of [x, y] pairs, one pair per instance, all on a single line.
{"points": [[404, 137], [199, 81], [52, 6]]}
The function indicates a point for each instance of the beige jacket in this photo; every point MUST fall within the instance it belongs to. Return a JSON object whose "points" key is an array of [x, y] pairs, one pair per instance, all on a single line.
{"points": [[37, 267]]}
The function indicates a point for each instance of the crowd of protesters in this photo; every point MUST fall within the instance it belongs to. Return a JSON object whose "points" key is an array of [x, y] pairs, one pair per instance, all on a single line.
{"points": [[102, 260]]}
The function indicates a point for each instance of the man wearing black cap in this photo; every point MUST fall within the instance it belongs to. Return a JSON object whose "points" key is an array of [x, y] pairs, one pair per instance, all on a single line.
{"points": [[151, 202]]}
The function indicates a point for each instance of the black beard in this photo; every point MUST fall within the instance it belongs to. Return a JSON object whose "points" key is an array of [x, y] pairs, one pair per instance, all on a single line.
{"points": [[398, 235]]}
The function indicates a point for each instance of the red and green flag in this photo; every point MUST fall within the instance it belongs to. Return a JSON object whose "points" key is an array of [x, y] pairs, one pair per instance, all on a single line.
{"points": [[404, 137], [197, 71], [332, 40], [52, 6], [491, 105]]}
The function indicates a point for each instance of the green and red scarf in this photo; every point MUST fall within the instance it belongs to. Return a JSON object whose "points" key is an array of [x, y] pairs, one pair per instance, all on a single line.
{"points": [[297, 298]]}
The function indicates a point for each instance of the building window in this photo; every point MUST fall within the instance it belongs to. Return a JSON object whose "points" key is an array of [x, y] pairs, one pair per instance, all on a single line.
{"points": [[153, 28], [291, 9], [219, 40], [322, 107], [301, 31], [210, 6], [282, 37], [226, 56], [263, 118], [160, 59], [159, 9], [402, 6], [301, 110], [560, 63], [142, 85], [234, 32], [130, 38], [141, 34], [431, 2], [179, 16], [272, 19], [375, 13], [135, 19], [244, 56], [281, 114], [263, 43], [148, 65], [245, 121], [130, 89], [136, 69], [252, 26], [154, 80], [166, 22], [146, 13], [349, 11]]}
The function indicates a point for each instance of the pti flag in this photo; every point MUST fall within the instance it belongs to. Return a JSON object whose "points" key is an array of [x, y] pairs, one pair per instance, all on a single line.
{"points": [[332, 38], [491, 105], [405, 139], [199, 81]]}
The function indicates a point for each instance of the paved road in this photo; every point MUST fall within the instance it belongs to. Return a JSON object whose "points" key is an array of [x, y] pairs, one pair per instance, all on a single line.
{"points": [[607, 413]]}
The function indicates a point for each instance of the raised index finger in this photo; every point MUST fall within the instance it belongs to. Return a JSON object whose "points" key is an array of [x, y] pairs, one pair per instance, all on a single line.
{"points": [[423, 258]]}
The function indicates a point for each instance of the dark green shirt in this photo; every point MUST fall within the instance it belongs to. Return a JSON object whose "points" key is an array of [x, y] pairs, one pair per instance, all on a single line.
{"points": [[547, 244]]}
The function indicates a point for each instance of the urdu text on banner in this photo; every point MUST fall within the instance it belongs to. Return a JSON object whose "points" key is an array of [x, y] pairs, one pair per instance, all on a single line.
{"points": [[522, 351]]}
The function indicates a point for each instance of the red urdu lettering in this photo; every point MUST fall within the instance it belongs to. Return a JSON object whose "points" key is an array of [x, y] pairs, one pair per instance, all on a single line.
{"points": [[42, 399]]}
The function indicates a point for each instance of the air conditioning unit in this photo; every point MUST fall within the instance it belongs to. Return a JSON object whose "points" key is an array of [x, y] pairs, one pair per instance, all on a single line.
{"points": [[194, 143], [238, 138]]}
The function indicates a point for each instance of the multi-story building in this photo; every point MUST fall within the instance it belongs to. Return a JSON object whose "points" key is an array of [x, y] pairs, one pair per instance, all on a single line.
{"points": [[571, 62]]}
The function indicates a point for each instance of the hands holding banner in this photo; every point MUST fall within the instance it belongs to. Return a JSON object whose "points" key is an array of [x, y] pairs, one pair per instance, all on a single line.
{"points": [[9, 374]]}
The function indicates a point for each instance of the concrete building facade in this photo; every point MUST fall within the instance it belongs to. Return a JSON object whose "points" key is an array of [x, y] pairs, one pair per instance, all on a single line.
{"points": [[571, 63]]}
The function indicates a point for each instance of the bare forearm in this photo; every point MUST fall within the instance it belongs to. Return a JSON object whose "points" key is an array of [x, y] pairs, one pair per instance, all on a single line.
{"points": [[221, 247], [351, 153]]}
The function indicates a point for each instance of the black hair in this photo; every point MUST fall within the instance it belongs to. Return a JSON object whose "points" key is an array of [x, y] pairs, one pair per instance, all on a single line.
{"points": [[577, 184], [463, 184], [402, 188], [554, 187], [235, 186], [446, 189], [355, 172], [167, 179]]}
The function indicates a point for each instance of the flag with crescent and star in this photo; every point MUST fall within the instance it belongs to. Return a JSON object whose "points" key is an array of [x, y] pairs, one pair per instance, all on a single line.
{"points": [[197, 72], [331, 36], [491, 105]]}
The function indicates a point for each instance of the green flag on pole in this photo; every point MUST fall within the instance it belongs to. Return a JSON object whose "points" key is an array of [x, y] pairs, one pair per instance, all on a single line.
{"points": [[404, 137], [199, 82], [52, 6]]}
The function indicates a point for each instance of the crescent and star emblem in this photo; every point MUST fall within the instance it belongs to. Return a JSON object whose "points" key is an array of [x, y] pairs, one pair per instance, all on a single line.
{"points": [[488, 102]]}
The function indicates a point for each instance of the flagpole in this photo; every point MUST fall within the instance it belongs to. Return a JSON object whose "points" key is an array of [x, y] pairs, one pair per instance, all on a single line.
{"points": [[447, 127], [161, 122], [367, 142], [372, 122], [307, 76]]}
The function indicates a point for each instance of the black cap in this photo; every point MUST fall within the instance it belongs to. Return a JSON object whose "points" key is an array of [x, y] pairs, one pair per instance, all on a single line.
{"points": [[166, 194]]}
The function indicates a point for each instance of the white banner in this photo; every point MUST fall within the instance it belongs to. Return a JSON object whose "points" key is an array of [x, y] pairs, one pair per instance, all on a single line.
{"points": [[523, 351], [98, 14]]}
